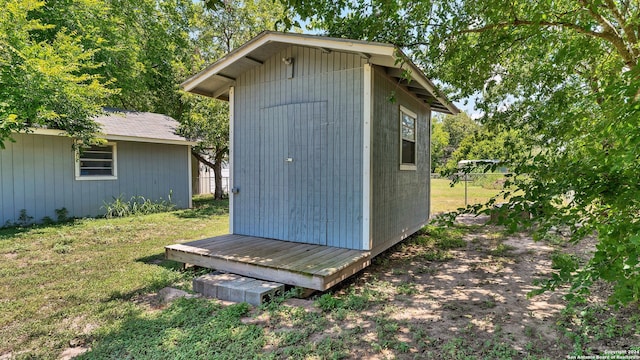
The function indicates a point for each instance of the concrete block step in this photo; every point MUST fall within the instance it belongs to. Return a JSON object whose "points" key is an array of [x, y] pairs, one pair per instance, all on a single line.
{"points": [[231, 287]]}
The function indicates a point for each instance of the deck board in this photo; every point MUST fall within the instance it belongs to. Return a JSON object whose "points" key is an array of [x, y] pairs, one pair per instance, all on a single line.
{"points": [[232, 246], [317, 258], [306, 265]]}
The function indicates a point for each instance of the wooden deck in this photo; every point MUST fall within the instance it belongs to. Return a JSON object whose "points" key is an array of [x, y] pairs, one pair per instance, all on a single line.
{"points": [[305, 265]]}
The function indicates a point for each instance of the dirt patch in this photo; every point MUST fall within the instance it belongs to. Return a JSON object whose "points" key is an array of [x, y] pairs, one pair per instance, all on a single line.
{"points": [[161, 299], [72, 352], [10, 256], [475, 299], [305, 304]]}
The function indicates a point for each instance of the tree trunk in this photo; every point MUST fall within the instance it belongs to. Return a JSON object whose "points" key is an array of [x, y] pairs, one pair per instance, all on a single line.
{"points": [[217, 173]]}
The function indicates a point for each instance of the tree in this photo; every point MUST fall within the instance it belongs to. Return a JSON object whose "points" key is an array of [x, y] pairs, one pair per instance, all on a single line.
{"points": [[566, 75], [71, 58], [504, 146], [439, 144], [459, 126], [45, 81], [456, 127], [215, 32], [207, 121]]}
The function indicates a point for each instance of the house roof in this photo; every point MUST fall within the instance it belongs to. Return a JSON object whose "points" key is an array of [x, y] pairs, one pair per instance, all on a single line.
{"points": [[119, 124], [126, 125], [215, 80]]}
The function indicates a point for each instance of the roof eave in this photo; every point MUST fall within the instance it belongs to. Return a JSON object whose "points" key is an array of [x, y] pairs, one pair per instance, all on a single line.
{"points": [[354, 46], [376, 53], [54, 132]]}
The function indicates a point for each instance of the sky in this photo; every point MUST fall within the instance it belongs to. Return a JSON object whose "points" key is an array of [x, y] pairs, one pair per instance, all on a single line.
{"points": [[468, 108]]}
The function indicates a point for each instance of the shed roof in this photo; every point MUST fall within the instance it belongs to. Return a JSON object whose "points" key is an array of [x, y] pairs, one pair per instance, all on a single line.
{"points": [[215, 80]]}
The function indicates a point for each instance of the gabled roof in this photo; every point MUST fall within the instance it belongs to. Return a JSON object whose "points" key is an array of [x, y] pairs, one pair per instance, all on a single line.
{"points": [[126, 125], [215, 80]]}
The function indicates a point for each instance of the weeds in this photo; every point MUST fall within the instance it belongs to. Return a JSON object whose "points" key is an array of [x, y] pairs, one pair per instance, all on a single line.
{"points": [[354, 302], [62, 215], [63, 246], [437, 255], [137, 205], [407, 289], [24, 219], [585, 325], [501, 250]]}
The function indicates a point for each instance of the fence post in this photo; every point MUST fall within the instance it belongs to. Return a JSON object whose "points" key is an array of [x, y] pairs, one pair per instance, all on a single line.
{"points": [[466, 180]]}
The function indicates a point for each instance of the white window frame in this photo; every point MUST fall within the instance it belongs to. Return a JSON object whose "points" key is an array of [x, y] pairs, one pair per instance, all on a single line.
{"points": [[78, 155], [405, 111]]}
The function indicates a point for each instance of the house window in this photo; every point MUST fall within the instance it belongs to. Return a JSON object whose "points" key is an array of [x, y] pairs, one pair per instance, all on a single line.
{"points": [[97, 162], [408, 120]]}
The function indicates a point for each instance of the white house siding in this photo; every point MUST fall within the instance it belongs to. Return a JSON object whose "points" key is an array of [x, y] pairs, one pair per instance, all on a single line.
{"points": [[400, 198], [314, 118], [37, 174]]}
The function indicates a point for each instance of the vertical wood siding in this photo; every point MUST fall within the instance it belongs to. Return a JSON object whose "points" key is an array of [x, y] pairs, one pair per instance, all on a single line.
{"points": [[315, 118], [37, 174], [400, 203]]}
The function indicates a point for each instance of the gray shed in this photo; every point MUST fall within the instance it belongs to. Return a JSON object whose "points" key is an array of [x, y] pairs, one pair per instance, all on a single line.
{"points": [[40, 172], [329, 140]]}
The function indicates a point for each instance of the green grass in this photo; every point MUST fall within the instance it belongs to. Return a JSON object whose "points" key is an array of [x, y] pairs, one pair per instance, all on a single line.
{"points": [[187, 329], [58, 282], [84, 283], [446, 198]]}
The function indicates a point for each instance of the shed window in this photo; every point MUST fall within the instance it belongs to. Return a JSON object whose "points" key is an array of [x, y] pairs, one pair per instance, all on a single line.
{"points": [[408, 136], [97, 163]]}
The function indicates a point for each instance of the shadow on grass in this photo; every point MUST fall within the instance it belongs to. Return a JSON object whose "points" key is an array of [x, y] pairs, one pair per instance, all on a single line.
{"points": [[187, 329], [9, 232], [160, 260], [204, 207], [159, 283], [151, 287]]}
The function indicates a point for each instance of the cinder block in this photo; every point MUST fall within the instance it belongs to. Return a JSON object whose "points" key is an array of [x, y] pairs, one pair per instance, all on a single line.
{"points": [[225, 289], [208, 284], [231, 287], [237, 290], [263, 292]]}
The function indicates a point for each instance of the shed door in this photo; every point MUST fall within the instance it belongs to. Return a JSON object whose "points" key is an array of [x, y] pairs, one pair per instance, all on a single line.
{"points": [[293, 141]]}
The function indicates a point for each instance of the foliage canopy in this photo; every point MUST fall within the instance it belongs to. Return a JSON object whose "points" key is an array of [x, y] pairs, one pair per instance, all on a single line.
{"points": [[45, 80]]}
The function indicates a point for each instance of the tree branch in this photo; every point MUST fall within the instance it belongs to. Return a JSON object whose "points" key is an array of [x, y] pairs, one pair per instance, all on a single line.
{"points": [[613, 35], [202, 159], [608, 36], [626, 27]]}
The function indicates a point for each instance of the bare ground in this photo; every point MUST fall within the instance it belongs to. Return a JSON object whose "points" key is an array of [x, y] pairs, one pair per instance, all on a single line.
{"points": [[479, 295], [471, 304]]}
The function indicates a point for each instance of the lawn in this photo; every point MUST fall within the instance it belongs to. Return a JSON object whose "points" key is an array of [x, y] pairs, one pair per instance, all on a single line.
{"points": [[59, 282], [441, 294], [444, 197]]}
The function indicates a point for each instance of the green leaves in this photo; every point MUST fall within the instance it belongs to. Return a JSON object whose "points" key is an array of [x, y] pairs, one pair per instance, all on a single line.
{"points": [[45, 82]]}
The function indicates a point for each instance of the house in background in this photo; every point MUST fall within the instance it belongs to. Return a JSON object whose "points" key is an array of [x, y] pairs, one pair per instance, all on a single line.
{"points": [[40, 172], [329, 156]]}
